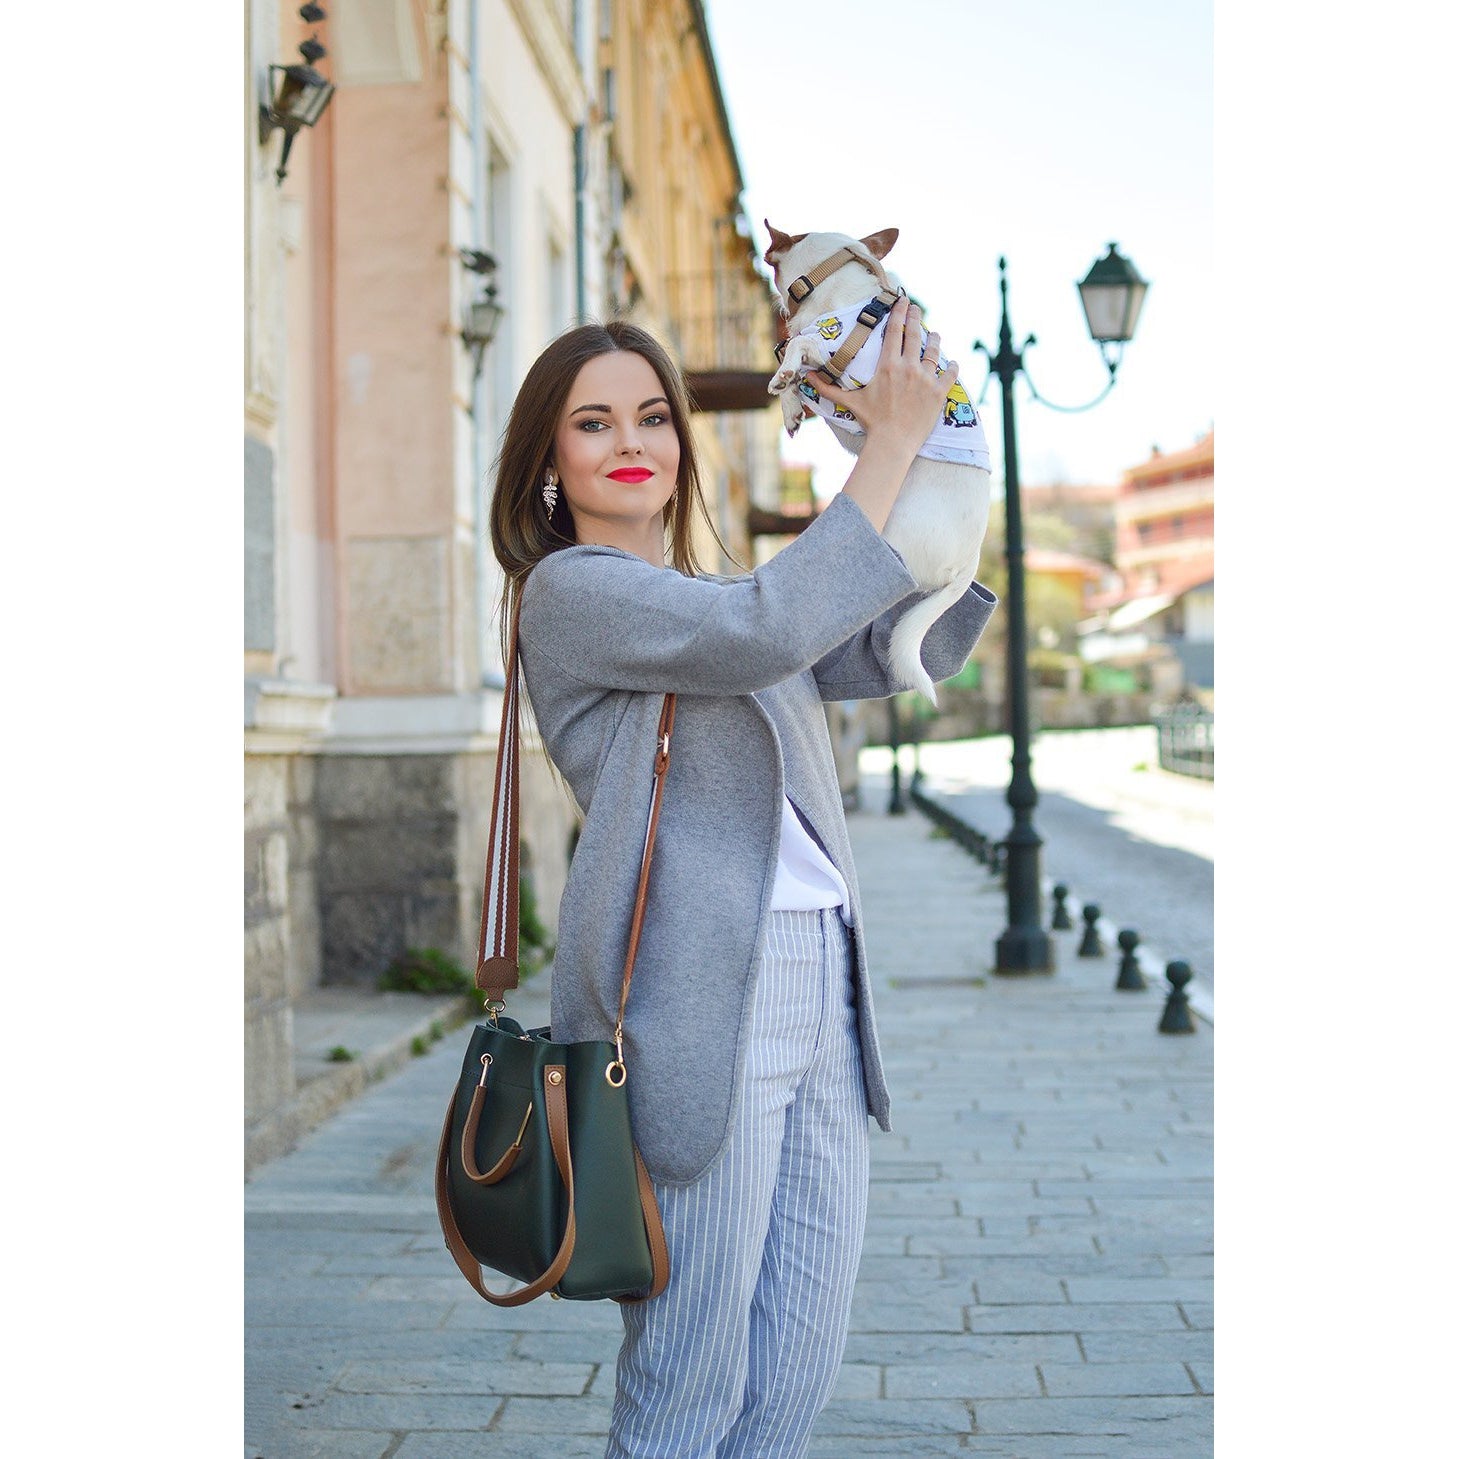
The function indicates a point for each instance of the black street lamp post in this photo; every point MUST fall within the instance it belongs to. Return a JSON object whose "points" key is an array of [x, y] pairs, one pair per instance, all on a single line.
{"points": [[895, 807], [1112, 293]]}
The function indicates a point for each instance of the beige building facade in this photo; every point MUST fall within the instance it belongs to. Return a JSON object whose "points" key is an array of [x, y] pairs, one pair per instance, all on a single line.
{"points": [[584, 147]]}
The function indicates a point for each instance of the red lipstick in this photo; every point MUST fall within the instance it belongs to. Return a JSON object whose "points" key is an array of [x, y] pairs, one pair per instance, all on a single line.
{"points": [[631, 474]]}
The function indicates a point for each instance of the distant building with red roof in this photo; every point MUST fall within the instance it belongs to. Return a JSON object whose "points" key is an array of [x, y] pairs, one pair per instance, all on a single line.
{"points": [[1165, 550], [1165, 520]]}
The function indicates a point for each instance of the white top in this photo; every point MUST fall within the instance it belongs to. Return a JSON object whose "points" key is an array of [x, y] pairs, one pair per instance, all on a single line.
{"points": [[957, 437], [805, 878]]}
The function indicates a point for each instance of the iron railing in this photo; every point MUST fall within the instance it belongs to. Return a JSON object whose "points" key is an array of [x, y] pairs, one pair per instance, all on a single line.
{"points": [[1187, 734], [717, 322]]}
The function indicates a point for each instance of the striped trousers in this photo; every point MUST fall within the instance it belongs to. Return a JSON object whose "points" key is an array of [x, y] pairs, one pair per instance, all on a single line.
{"points": [[738, 1354]]}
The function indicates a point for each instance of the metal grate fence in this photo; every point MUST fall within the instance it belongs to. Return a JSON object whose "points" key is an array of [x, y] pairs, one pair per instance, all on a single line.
{"points": [[1187, 740]]}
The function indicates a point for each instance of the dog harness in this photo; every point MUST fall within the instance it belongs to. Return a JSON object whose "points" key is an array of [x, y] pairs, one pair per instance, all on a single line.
{"points": [[857, 332]]}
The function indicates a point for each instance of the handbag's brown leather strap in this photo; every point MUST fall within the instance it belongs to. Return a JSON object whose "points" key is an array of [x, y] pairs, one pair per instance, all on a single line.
{"points": [[661, 765], [556, 1105], [496, 971]]}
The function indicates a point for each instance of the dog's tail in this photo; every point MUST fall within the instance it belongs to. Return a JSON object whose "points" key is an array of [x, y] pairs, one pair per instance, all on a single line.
{"points": [[905, 650]]}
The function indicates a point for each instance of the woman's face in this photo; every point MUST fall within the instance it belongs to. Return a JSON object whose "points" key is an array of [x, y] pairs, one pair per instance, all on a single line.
{"points": [[616, 420]]}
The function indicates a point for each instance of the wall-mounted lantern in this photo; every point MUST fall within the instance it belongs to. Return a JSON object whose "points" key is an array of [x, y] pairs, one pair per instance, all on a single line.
{"points": [[298, 94], [483, 314]]}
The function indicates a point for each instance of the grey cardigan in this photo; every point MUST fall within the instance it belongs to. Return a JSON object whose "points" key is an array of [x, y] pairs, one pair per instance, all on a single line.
{"points": [[603, 635]]}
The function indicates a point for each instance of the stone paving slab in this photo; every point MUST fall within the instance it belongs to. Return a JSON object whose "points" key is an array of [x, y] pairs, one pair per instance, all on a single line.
{"points": [[1036, 1281]]}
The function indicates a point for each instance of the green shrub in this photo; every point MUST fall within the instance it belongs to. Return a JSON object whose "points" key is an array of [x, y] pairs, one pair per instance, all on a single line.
{"points": [[425, 970], [341, 1055]]}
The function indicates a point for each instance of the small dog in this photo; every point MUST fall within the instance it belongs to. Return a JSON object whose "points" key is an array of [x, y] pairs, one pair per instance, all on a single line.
{"points": [[941, 514]]}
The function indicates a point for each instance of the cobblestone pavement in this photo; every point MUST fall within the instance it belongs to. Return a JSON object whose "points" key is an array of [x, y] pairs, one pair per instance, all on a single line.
{"points": [[1037, 1277]]}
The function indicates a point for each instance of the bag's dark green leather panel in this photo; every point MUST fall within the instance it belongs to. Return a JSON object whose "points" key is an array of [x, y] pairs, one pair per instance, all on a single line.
{"points": [[611, 1257]]}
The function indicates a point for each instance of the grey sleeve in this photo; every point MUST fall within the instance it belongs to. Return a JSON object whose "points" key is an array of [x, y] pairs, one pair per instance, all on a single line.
{"points": [[860, 667], [607, 618]]}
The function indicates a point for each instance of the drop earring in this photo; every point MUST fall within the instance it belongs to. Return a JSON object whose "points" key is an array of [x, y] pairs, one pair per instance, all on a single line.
{"points": [[549, 490]]}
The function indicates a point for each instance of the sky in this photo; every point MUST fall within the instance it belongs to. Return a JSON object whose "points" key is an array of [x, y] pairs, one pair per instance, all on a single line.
{"points": [[1041, 131]]}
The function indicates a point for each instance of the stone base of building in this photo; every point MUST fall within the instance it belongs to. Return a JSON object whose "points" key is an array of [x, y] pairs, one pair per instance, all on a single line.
{"points": [[402, 855]]}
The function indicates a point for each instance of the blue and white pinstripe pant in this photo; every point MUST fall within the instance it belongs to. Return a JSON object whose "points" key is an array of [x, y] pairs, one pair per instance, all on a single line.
{"points": [[737, 1356]]}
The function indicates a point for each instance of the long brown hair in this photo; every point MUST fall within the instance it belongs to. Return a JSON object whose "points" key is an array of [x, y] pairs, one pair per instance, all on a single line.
{"points": [[521, 532]]}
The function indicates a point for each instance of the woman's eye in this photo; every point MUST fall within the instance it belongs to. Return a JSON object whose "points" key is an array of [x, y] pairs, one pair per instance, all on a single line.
{"points": [[654, 419]]}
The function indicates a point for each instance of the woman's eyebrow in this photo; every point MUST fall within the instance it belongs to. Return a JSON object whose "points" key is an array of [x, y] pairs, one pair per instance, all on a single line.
{"points": [[653, 400]]}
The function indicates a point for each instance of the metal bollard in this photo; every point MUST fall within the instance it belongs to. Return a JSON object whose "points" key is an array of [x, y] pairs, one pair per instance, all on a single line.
{"points": [[1091, 946], [1177, 1015], [1131, 979], [1060, 922]]}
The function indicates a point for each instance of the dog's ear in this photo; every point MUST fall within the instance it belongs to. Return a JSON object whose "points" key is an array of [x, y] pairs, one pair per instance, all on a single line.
{"points": [[880, 244], [780, 243]]}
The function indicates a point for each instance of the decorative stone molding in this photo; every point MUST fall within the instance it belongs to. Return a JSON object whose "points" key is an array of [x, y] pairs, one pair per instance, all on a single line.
{"points": [[284, 716], [421, 724]]}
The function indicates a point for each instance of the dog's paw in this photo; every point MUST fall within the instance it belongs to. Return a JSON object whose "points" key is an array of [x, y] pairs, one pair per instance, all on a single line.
{"points": [[782, 380]]}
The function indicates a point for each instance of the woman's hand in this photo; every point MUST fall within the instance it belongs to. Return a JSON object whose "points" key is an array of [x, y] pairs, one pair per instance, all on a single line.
{"points": [[904, 398]]}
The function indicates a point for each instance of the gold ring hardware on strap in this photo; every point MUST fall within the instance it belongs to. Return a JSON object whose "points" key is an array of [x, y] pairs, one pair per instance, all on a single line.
{"points": [[617, 1063], [485, 1067], [493, 1007]]}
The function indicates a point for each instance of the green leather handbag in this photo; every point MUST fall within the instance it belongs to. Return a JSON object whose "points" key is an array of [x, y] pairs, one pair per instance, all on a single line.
{"points": [[537, 1175]]}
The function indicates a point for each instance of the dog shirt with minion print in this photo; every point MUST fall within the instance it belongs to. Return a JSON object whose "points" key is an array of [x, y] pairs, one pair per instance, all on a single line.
{"points": [[958, 436]]}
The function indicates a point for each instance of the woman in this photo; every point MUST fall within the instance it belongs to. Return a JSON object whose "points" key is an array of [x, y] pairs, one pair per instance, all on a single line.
{"points": [[749, 1035]]}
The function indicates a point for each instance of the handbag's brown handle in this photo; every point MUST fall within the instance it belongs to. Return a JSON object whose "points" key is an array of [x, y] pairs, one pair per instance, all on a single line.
{"points": [[503, 1167], [498, 970], [556, 1106]]}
